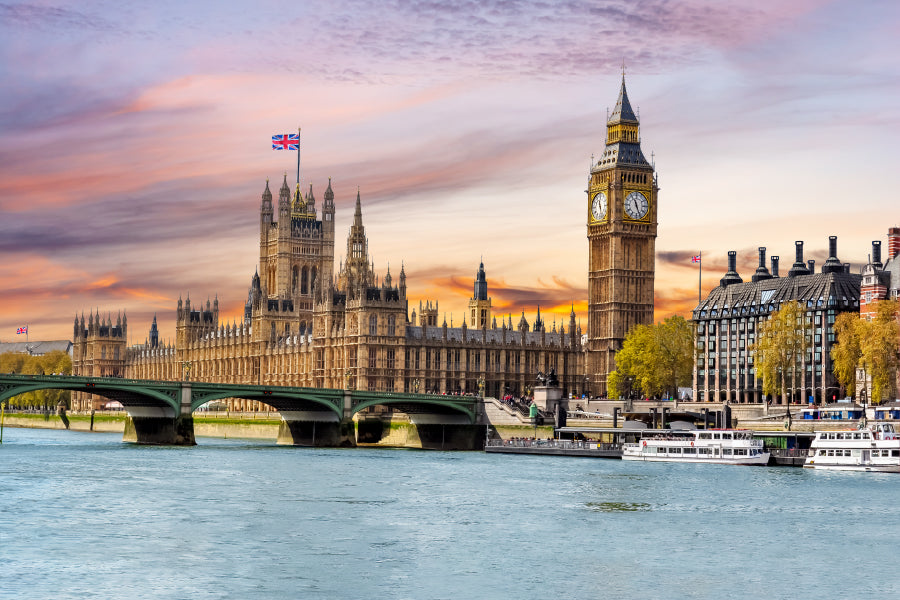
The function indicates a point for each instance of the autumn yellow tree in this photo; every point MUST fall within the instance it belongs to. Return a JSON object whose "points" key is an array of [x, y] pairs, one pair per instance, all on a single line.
{"points": [[782, 341], [654, 359], [871, 347]]}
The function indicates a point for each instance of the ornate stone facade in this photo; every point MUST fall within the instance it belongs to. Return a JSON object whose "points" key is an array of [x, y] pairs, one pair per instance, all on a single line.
{"points": [[304, 326], [621, 231]]}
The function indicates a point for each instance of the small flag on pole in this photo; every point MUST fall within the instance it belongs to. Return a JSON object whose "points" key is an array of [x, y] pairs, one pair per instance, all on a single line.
{"points": [[286, 141], [22, 330], [695, 259]]}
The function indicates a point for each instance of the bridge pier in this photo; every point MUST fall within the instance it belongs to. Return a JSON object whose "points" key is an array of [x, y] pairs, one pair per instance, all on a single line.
{"points": [[322, 429], [160, 425]]}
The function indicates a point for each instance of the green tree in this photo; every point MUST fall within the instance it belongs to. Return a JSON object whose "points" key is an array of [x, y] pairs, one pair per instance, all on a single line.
{"points": [[781, 344], [654, 359]]}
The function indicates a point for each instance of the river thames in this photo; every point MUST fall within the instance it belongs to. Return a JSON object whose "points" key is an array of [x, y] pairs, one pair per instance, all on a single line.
{"points": [[87, 516]]}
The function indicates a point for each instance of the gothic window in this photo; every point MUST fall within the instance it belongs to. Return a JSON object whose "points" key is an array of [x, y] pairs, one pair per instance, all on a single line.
{"points": [[373, 354], [294, 280], [304, 281], [313, 274], [373, 325], [272, 334]]}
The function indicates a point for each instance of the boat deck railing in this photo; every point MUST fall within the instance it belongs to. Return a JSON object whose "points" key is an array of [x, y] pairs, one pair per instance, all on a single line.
{"points": [[547, 443], [788, 452]]}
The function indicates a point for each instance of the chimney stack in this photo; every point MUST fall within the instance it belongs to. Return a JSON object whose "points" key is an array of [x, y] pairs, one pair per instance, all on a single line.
{"points": [[876, 254], [732, 275], [811, 266], [893, 242], [774, 266], [798, 268], [832, 265], [761, 271]]}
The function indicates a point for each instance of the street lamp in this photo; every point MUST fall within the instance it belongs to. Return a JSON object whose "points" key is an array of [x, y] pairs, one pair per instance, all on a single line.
{"points": [[481, 387], [416, 385]]}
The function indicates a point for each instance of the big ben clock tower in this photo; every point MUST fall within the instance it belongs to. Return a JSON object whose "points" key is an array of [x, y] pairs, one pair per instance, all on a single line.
{"points": [[621, 231]]}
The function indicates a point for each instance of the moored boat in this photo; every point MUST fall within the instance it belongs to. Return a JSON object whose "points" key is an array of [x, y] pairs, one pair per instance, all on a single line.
{"points": [[718, 446], [875, 448]]}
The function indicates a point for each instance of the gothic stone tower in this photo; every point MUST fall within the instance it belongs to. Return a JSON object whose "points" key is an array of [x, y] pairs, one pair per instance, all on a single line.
{"points": [[621, 231], [296, 252], [480, 303]]}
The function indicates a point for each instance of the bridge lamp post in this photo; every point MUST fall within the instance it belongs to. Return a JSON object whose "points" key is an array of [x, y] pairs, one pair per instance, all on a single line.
{"points": [[481, 387], [185, 370], [347, 375], [416, 385]]}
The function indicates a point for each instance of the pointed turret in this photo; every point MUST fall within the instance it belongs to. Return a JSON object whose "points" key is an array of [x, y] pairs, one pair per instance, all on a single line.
{"points": [[623, 113]]}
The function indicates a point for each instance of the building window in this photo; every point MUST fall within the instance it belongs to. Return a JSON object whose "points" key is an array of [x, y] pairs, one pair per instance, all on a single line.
{"points": [[392, 324], [373, 358], [373, 325], [389, 360]]}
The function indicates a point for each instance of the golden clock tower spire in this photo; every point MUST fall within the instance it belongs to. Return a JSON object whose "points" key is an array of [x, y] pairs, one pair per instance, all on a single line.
{"points": [[621, 231]]}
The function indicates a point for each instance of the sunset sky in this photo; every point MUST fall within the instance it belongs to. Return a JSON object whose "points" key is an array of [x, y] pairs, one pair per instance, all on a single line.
{"points": [[135, 142]]}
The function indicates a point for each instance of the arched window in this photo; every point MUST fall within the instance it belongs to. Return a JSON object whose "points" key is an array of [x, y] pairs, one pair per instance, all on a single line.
{"points": [[304, 281], [294, 279], [373, 325]]}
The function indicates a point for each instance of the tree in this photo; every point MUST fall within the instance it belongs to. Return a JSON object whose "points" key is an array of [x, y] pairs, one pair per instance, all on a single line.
{"points": [[654, 359], [846, 353], [870, 346], [52, 362], [779, 351]]}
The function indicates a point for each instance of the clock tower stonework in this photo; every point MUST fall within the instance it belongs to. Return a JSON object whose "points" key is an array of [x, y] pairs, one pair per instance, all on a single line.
{"points": [[621, 231]]}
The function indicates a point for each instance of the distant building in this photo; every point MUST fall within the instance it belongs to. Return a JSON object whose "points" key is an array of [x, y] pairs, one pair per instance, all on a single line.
{"points": [[879, 282], [37, 348], [303, 326], [728, 321]]}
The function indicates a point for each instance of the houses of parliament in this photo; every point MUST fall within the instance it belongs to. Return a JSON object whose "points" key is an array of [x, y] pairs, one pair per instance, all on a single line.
{"points": [[306, 325]]}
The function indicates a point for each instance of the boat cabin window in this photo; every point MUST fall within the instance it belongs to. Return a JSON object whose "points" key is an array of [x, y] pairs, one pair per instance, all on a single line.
{"points": [[823, 452], [716, 436], [895, 452], [726, 452], [690, 451], [726, 436], [866, 436], [705, 436], [857, 436], [840, 436]]}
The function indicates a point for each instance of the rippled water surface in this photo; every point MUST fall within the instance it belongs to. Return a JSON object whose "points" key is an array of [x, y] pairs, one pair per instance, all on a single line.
{"points": [[86, 516]]}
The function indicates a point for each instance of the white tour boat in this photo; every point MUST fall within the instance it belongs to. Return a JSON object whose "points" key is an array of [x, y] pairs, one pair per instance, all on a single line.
{"points": [[720, 446], [875, 448]]}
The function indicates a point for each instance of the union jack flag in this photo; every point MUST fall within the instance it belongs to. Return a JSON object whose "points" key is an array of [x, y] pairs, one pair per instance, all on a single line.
{"points": [[695, 259], [22, 330], [286, 141]]}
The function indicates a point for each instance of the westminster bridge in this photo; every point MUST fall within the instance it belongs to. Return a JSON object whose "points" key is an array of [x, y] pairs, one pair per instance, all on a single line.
{"points": [[160, 412]]}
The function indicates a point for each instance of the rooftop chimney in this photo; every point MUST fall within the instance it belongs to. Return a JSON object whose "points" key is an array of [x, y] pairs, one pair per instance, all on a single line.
{"points": [[876, 254], [832, 265], [732, 275], [761, 271], [893, 242], [811, 266], [798, 268], [774, 266]]}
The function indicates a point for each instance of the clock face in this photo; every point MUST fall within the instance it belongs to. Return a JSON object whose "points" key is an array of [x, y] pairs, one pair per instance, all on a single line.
{"points": [[598, 206], [636, 205]]}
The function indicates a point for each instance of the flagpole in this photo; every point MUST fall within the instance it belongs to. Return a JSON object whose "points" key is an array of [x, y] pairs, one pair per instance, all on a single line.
{"points": [[700, 281], [298, 156]]}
